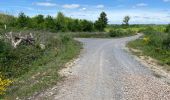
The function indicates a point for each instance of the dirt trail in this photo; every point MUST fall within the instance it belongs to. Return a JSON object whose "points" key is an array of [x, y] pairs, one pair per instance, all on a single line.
{"points": [[105, 71]]}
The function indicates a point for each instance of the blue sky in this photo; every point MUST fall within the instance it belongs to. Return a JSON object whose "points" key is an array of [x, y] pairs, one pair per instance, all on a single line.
{"points": [[140, 11]]}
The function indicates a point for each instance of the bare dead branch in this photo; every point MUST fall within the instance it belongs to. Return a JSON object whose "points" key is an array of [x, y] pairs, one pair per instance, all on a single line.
{"points": [[16, 40]]}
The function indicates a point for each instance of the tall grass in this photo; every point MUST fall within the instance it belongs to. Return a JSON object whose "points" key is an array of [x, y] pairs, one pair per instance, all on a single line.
{"points": [[33, 68], [154, 43]]}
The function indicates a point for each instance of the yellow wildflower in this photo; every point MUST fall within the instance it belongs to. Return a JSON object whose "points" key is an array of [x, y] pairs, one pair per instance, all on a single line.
{"points": [[146, 40], [4, 83]]}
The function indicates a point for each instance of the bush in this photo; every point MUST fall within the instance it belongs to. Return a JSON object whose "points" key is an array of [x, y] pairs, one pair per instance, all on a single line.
{"points": [[148, 30], [156, 39], [121, 32], [113, 33], [166, 42], [4, 83], [168, 29], [15, 62]]}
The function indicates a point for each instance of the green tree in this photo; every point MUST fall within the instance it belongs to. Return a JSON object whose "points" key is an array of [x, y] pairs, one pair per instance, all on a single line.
{"points": [[61, 21], [38, 21], [23, 20], [50, 23], [86, 26], [168, 28], [102, 21], [126, 20], [72, 25]]}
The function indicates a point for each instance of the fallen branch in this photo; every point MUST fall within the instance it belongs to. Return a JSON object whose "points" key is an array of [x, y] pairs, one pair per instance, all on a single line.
{"points": [[17, 40]]}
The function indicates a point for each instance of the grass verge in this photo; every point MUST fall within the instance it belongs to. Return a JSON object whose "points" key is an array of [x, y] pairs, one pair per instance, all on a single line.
{"points": [[152, 45], [43, 72]]}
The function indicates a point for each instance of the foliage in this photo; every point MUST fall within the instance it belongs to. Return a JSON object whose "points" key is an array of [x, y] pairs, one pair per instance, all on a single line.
{"points": [[60, 23], [102, 21], [4, 84], [43, 72], [149, 30], [91, 35], [87, 26], [146, 40], [8, 20], [49, 23], [15, 62], [168, 28], [166, 42], [126, 20], [23, 20], [38, 22], [121, 32], [155, 44]]}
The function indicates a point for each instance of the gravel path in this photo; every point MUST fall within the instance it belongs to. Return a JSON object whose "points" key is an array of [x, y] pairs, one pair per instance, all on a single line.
{"points": [[105, 71]]}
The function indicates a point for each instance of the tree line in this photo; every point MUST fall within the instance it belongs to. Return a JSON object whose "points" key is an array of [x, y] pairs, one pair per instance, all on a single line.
{"points": [[60, 23]]}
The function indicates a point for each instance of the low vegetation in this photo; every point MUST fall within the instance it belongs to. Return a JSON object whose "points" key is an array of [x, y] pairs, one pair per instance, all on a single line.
{"points": [[121, 32], [4, 83], [35, 67], [154, 43]]}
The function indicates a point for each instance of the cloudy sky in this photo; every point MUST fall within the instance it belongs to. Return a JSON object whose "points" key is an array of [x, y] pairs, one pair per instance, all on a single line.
{"points": [[140, 11]]}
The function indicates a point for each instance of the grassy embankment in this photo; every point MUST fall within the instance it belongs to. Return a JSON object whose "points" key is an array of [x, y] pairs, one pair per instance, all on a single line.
{"points": [[34, 69], [154, 43]]}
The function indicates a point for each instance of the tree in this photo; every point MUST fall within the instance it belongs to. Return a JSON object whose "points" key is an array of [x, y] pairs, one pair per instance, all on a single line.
{"points": [[60, 21], [86, 26], [73, 25], [23, 20], [126, 20], [49, 23], [38, 21], [168, 28], [102, 21]]}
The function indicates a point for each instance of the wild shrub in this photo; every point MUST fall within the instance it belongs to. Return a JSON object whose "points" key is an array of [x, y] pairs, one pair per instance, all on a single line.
{"points": [[146, 40], [120, 32], [167, 29], [16, 61], [166, 42], [149, 30], [156, 39], [4, 83]]}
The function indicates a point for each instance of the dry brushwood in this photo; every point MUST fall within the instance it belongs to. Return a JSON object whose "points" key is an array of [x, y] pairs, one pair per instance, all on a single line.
{"points": [[17, 40]]}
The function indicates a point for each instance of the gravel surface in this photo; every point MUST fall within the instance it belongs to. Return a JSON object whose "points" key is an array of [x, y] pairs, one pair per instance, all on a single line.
{"points": [[105, 71]]}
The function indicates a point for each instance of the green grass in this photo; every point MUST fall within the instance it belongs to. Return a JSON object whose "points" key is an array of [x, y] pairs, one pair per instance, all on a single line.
{"points": [[123, 33], [91, 35], [154, 47], [42, 73]]}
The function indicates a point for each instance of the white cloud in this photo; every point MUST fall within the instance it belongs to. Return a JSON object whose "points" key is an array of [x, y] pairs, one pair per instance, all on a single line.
{"points": [[166, 0], [71, 6], [82, 9], [141, 5], [46, 4], [100, 6]]}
